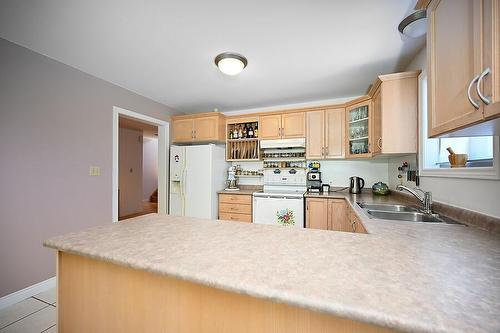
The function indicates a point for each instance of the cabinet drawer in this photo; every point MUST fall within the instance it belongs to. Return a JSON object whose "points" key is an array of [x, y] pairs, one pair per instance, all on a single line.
{"points": [[232, 208], [236, 198], [235, 217]]}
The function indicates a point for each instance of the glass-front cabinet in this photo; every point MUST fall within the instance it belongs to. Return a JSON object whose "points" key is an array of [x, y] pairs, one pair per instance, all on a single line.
{"points": [[359, 129]]}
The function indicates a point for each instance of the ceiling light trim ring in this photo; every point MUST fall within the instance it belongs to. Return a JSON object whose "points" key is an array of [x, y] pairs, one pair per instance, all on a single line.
{"points": [[415, 16], [232, 55]]}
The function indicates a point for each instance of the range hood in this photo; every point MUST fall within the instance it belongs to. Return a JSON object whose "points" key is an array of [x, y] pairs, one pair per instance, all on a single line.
{"points": [[283, 143]]}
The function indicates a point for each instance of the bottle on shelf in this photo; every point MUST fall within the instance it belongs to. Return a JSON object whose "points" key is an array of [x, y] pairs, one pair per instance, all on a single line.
{"points": [[244, 131], [250, 131], [256, 130], [240, 133], [235, 132]]}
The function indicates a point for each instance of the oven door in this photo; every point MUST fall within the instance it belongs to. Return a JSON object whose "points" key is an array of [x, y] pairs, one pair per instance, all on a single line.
{"points": [[279, 210]]}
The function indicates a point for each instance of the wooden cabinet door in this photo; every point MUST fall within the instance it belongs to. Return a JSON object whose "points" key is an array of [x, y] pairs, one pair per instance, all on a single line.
{"points": [[293, 125], [206, 129], [317, 213], [315, 134], [358, 147], [376, 123], [270, 127], [491, 57], [335, 133], [182, 130], [454, 56], [337, 214]]}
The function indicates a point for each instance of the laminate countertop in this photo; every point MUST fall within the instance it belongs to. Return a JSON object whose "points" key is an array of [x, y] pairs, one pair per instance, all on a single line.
{"points": [[413, 277]]}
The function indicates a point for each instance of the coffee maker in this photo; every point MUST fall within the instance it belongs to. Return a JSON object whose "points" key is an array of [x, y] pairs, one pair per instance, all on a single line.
{"points": [[314, 181]]}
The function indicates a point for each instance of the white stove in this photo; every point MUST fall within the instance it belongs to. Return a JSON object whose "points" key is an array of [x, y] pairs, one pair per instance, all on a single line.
{"points": [[282, 200]]}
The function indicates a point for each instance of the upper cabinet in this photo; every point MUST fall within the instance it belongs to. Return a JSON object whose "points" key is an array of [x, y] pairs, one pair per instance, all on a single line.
{"points": [[359, 131], [395, 113], [205, 127], [325, 134], [463, 42], [282, 126]]}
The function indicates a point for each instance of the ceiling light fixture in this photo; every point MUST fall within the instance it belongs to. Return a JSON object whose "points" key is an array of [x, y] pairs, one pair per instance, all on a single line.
{"points": [[414, 25], [231, 63]]}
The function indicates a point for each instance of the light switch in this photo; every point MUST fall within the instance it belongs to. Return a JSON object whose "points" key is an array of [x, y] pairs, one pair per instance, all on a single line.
{"points": [[94, 171]]}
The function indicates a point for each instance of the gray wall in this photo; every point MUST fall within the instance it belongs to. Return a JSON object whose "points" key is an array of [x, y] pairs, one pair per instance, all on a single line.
{"points": [[55, 122]]}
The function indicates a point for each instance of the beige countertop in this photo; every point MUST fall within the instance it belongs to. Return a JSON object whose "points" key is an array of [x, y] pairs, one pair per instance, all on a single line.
{"points": [[244, 190], [412, 277]]}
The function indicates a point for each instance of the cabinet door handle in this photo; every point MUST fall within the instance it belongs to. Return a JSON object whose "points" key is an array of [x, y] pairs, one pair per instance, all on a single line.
{"points": [[353, 226], [478, 86], [322, 151], [379, 143], [473, 102]]}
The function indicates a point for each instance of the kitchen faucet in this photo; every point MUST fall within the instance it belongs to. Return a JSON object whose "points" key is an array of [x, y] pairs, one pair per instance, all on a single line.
{"points": [[424, 197]]}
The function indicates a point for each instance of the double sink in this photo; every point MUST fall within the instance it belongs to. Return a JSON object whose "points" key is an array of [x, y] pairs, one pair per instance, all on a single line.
{"points": [[399, 212]]}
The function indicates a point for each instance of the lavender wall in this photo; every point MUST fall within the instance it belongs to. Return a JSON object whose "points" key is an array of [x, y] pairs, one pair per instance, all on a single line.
{"points": [[149, 167], [55, 122], [130, 176]]}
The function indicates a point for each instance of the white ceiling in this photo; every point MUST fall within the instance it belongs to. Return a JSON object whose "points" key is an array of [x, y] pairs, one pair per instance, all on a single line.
{"points": [[298, 51]]}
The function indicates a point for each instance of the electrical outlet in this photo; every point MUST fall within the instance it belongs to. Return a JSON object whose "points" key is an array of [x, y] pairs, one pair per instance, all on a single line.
{"points": [[94, 171]]}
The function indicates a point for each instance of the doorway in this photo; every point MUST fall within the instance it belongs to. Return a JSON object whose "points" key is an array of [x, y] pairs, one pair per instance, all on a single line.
{"points": [[139, 165]]}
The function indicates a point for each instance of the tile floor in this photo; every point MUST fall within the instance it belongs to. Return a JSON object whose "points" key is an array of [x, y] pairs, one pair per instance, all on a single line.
{"points": [[33, 315]]}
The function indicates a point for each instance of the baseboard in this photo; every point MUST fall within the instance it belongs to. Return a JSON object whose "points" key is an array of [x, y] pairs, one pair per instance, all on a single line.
{"points": [[27, 292]]}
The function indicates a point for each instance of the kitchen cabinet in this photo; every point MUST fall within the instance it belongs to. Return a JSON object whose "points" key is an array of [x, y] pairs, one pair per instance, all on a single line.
{"points": [[394, 128], [325, 134], [359, 129], [182, 130], [317, 213], [282, 126], [205, 127], [491, 59], [331, 214], [235, 207], [337, 215], [463, 45], [242, 149]]}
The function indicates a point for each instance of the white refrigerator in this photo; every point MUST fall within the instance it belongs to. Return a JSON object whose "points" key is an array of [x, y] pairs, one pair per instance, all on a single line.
{"points": [[196, 174]]}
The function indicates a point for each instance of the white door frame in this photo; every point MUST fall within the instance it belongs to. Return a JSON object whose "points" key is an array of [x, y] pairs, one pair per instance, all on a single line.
{"points": [[163, 144]]}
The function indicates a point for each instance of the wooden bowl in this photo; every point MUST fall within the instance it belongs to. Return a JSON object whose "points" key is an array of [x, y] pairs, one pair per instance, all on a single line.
{"points": [[458, 160]]}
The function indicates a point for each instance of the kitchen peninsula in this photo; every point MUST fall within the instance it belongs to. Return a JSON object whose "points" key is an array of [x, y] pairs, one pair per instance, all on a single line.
{"points": [[178, 274]]}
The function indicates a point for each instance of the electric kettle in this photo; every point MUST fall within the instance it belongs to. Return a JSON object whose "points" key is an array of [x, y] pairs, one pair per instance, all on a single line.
{"points": [[357, 183]]}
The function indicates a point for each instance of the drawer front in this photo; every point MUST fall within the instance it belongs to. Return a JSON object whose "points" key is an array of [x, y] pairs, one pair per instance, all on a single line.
{"points": [[236, 198], [232, 208], [235, 217]]}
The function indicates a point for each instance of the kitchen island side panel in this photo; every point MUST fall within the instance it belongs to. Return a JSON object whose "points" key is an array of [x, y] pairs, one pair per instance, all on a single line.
{"points": [[98, 296]]}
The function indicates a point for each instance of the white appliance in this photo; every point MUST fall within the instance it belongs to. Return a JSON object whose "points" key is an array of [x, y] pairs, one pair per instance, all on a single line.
{"points": [[283, 143], [282, 201], [196, 174]]}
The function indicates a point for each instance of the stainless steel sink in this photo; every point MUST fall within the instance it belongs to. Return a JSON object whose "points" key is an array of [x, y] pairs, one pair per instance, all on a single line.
{"points": [[387, 207], [405, 216]]}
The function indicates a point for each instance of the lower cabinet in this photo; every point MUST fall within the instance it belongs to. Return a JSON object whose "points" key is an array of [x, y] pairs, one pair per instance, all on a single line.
{"points": [[332, 214], [235, 207]]}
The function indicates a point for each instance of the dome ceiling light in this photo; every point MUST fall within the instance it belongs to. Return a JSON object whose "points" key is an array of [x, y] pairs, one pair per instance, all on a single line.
{"points": [[414, 25], [231, 63]]}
